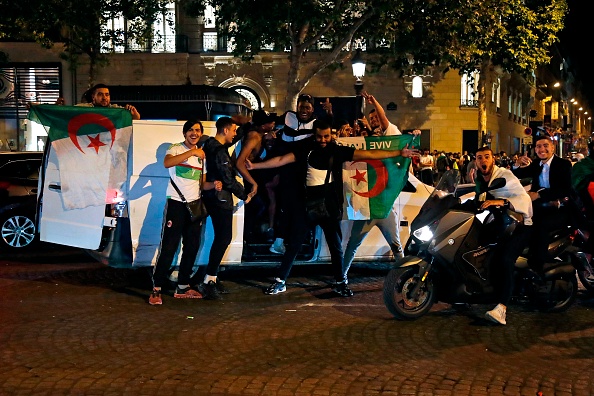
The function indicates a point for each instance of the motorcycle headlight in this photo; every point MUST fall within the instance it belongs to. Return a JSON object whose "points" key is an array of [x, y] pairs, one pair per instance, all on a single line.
{"points": [[424, 233]]}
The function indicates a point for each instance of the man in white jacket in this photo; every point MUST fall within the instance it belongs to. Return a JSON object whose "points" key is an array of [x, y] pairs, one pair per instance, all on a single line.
{"points": [[514, 197]]}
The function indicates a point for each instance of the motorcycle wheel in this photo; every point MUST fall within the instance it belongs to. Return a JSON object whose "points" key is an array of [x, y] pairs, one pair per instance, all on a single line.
{"points": [[587, 278], [558, 294], [398, 287]]}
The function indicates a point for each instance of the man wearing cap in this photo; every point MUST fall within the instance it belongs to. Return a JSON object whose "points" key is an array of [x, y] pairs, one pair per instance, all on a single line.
{"points": [[253, 149], [298, 126], [551, 185]]}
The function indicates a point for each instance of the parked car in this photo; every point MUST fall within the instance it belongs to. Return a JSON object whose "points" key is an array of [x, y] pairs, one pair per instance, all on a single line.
{"points": [[19, 175]]}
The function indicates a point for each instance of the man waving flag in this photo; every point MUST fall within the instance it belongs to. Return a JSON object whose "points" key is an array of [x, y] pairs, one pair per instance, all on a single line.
{"points": [[371, 186], [91, 145]]}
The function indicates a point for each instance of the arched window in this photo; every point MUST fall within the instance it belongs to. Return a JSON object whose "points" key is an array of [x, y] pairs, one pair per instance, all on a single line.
{"points": [[250, 95], [417, 87]]}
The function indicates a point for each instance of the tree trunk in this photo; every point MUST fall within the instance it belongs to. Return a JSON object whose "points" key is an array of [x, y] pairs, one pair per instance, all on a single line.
{"points": [[482, 101]]}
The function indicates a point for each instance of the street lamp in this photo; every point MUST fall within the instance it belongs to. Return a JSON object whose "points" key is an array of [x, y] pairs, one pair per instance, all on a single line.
{"points": [[358, 72]]}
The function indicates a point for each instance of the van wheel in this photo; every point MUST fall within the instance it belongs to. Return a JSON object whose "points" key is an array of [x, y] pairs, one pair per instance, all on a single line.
{"points": [[17, 231]]}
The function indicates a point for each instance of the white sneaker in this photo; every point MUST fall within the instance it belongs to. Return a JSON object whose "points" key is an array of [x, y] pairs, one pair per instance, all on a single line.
{"points": [[497, 314], [278, 247]]}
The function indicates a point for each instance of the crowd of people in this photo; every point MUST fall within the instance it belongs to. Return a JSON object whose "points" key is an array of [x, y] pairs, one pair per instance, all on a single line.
{"points": [[293, 160], [286, 160], [431, 165]]}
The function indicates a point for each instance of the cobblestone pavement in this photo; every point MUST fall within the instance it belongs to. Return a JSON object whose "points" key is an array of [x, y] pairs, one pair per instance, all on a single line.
{"points": [[70, 326]]}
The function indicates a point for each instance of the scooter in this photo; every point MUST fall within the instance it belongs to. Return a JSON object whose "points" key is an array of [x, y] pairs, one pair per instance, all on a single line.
{"points": [[451, 256]]}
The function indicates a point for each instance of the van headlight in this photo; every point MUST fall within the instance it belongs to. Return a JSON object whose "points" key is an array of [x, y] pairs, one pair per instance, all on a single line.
{"points": [[424, 233]]}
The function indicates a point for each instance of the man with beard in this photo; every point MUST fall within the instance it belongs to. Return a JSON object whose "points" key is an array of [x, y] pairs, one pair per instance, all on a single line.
{"points": [[99, 97], [512, 196], [319, 161], [298, 126]]}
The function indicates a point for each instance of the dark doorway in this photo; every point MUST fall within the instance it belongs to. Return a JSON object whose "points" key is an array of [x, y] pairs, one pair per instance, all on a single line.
{"points": [[470, 140]]}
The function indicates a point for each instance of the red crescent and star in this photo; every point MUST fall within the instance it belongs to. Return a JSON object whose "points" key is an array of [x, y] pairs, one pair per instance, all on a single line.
{"points": [[81, 120], [381, 180]]}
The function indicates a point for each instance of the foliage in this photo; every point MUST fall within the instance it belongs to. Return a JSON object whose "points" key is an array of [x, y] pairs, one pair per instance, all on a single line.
{"points": [[515, 34], [81, 25]]}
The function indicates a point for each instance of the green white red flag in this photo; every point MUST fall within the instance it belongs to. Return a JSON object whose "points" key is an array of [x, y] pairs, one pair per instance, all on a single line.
{"points": [[371, 186], [91, 145]]}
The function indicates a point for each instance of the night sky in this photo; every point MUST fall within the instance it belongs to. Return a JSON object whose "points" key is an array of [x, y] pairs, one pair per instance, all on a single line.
{"points": [[576, 45]]}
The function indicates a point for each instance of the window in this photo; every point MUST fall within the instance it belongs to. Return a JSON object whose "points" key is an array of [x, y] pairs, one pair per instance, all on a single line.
{"points": [[209, 36], [510, 103], [250, 96], [469, 89], [519, 107], [417, 87], [164, 31], [496, 94], [163, 34]]}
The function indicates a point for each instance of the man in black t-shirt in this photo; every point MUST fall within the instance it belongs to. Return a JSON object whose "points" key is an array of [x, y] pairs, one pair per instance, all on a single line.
{"points": [[312, 163]]}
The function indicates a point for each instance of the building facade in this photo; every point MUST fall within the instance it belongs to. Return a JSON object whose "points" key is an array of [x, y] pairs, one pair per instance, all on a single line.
{"points": [[446, 109]]}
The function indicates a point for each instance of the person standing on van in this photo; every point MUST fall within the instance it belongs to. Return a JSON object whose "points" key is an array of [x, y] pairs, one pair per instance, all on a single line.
{"points": [[388, 226], [254, 149], [298, 126], [185, 164], [219, 203], [99, 97], [320, 168]]}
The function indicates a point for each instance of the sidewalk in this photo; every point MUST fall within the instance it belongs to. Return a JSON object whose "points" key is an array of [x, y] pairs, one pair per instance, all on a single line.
{"points": [[71, 326]]}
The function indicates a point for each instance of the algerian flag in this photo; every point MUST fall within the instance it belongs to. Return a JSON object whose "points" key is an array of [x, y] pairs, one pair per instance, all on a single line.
{"points": [[91, 145], [371, 186]]}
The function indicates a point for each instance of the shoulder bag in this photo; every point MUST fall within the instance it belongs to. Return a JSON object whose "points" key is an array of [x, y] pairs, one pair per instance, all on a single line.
{"points": [[320, 208], [196, 208]]}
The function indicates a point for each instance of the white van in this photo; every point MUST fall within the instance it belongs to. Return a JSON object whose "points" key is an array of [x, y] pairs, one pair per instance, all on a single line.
{"points": [[127, 234]]}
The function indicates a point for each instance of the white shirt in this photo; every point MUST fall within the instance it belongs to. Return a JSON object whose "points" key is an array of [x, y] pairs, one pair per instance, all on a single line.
{"points": [[186, 175], [543, 178]]}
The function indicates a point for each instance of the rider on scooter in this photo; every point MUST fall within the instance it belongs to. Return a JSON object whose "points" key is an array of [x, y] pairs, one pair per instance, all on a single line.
{"points": [[514, 197]]}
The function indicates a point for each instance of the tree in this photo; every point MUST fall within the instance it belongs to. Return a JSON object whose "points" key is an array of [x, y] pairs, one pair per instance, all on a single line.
{"points": [[81, 25], [514, 34], [332, 26], [511, 36]]}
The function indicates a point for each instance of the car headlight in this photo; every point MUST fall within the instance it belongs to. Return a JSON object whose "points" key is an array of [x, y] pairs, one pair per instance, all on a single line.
{"points": [[424, 233]]}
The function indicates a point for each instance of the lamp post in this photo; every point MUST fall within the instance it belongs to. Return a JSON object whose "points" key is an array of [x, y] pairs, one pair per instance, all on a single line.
{"points": [[358, 72]]}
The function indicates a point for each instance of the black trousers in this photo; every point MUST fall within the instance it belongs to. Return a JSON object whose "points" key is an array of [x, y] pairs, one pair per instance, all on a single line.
{"points": [[177, 227], [545, 220], [298, 233], [222, 224], [509, 254]]}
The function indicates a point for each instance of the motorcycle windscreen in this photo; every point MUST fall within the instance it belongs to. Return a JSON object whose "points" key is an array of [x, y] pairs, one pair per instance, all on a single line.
{"points": [[80, 228]]}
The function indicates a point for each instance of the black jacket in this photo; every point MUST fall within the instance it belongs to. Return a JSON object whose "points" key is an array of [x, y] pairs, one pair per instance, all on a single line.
{"points": [[220, 166], [559, 178]]}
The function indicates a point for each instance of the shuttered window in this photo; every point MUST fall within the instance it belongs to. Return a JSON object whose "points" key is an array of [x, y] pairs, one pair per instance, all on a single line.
{"points": [[20, 85]]}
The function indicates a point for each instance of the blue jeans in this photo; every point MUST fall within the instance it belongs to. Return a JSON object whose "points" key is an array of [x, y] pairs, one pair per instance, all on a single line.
{"points": [[389, 229]]}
